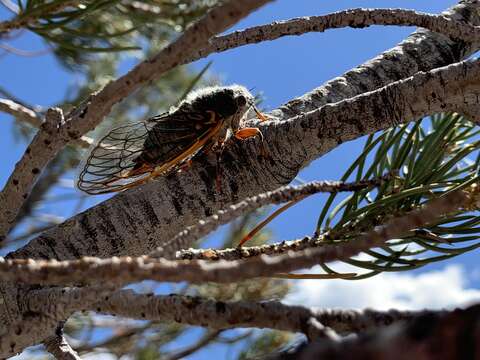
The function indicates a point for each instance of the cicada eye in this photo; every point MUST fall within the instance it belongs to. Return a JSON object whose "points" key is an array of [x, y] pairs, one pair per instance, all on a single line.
{"points": [[241, 101]]}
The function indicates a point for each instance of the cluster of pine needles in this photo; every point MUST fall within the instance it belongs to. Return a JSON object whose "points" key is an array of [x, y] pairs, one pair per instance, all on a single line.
{"points": [[429, 158]]}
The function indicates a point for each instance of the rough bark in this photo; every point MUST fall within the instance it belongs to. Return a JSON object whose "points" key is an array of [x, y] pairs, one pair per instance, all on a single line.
{"points": [[137, 221]]}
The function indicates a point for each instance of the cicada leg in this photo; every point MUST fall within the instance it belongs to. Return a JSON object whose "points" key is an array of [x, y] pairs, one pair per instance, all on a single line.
{"points": [[218, 168], [247, 133], [261, 116]]}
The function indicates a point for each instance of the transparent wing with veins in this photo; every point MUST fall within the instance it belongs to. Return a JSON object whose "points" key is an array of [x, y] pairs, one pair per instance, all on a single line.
{"points": [[132, 154]]}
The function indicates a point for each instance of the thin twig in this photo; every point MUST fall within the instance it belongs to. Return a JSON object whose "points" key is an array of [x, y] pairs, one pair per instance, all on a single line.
{"points": [[25, 20], [315, 330], [27, 53], [10, 5], [287, 193], [58, 346], [20, 112], [246, 252], [29, 116], [121, 334], [355, 18]]}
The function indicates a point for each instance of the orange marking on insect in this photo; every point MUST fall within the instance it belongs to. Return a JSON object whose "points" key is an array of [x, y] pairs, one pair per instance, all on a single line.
{"points": [[247, 133]]}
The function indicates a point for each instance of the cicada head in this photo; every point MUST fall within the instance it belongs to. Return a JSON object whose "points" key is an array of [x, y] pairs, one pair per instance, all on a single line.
{"points": [[227, 101]]}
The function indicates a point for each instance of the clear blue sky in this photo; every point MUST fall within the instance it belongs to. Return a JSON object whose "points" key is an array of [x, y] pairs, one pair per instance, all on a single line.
{"points": [[281, 70]]}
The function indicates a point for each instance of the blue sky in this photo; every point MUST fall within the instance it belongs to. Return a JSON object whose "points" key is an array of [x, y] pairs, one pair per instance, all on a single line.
{"points": [[280, 70]]}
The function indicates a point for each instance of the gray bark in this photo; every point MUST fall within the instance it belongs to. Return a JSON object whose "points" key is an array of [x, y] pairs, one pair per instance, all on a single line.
{"points": [[137, 221]]}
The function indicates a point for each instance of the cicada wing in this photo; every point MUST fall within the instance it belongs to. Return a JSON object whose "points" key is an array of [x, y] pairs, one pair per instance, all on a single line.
{"points": [[112, 158], [129, 155]]}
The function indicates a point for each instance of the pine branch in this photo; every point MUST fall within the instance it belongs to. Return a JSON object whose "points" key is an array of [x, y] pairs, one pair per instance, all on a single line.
{"points": [[24, 114], [26, 19], [288, 193], [208, 338], [214, 314], [20, 112], [354, 18], [246, 252], [58, 346]]}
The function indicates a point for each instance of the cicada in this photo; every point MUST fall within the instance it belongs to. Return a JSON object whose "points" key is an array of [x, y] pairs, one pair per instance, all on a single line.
{"points": [[133, 154]]}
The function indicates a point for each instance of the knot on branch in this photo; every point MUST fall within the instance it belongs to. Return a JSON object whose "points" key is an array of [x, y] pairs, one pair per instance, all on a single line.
{"points": [[54, 118]]}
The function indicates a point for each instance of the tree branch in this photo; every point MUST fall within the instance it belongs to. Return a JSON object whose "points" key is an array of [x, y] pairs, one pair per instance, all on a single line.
{"points": [[119, 336], [122, 271], [41, 312], [58, 346], [354, 18], [214, 314], [20, 112], [48, 142], [201, 343], [23, 113], [25, 20], [246, 252]]}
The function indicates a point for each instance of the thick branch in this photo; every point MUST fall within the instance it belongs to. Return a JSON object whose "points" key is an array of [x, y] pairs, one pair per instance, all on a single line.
{"points": [[225, 315], [449, 88], [41, 312]]}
